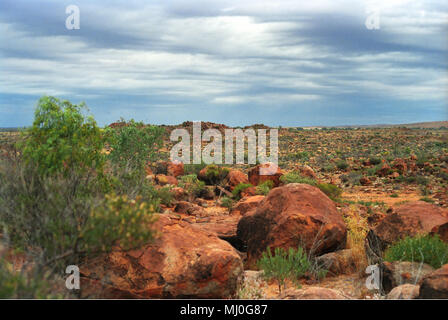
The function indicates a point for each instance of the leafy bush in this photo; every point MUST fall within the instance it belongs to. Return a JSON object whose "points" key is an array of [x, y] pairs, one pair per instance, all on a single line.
{"points": [[192, 185], [165, 195], [193, 168], [332, 191], [227, 202], [265, 187], [215, 174], [293, 177], [374, 160], [62, 139], [428, 249], [117, 220], [283, 265], [240, 188], [22, 284], [341, 165], [133, 144]]}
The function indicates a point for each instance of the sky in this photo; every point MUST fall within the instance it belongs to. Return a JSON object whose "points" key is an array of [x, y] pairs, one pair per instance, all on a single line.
{"points": [[283, 62]]}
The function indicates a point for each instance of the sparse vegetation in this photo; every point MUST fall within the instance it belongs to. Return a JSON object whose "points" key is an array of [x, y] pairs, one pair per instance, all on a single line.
{"points": [[428, 249]]}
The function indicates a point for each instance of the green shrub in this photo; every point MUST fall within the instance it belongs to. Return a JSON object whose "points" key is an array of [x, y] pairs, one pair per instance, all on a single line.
{"points": [[293, 177], [265, 187], [24, 284], [341, 165], [427, 199], [332, 191], [240, 188], [283, 265], [117, 220], [394, 195], [62, 139], [166, 196], [133, 144], [193, 168], [227, 202], [192, 185], [215, 174], [428, 249], [374, 160]]}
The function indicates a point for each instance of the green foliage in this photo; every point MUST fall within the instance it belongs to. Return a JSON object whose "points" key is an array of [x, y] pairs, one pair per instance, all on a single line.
{"points": [[265, 187], [192, 185], [117, 220], [215, 174], [428, 249], [332, 191], [133, 144], [227, 202], [166, 195], [341, 165], [22, 285], [374, 160], [194, 168], [352, 177], [240, 188], [293, 177], [62, 139], [283, 265], [427, 199]]}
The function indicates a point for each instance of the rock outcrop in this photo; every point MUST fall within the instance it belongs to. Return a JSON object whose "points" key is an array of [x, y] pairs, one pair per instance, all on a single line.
{"points": [[291, 216], [183, 262]]}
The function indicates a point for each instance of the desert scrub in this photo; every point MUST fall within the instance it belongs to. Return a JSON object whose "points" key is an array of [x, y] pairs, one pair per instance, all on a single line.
{"points": [[193, 168], [428, 249], [62, 138], [192, 185], [265, 187], [215, 174], [283, 265], [165, 195], [331, 190], [357, 229], [240, 188], [293, 177], [341, 165], [118, 220], [133, 144], [227, 202]]}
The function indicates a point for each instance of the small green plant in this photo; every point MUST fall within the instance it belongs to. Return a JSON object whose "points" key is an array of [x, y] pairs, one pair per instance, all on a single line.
{"points": [[166, 196], [341, 165], [283, 265], [194, 168], [293, 177], [265, 187], [374, 160], [332, 191], [240, 188], [428, 249], [215, 174], [427, 199], [227, 202], [394, 195], [192, 185]]}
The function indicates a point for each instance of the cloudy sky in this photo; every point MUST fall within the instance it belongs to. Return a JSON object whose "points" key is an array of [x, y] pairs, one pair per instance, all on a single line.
{"points": [[288, 62]]}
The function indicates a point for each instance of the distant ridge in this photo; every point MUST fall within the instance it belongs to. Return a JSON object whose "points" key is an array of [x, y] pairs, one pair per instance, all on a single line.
{"points": [[423, 125]]}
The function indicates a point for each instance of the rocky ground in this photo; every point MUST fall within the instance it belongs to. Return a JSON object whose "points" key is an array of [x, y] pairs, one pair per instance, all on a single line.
{"points": [[394, 184]]}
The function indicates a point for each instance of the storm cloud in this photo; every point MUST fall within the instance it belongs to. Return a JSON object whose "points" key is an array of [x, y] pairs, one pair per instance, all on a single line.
{"points": [[284, 62]]}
